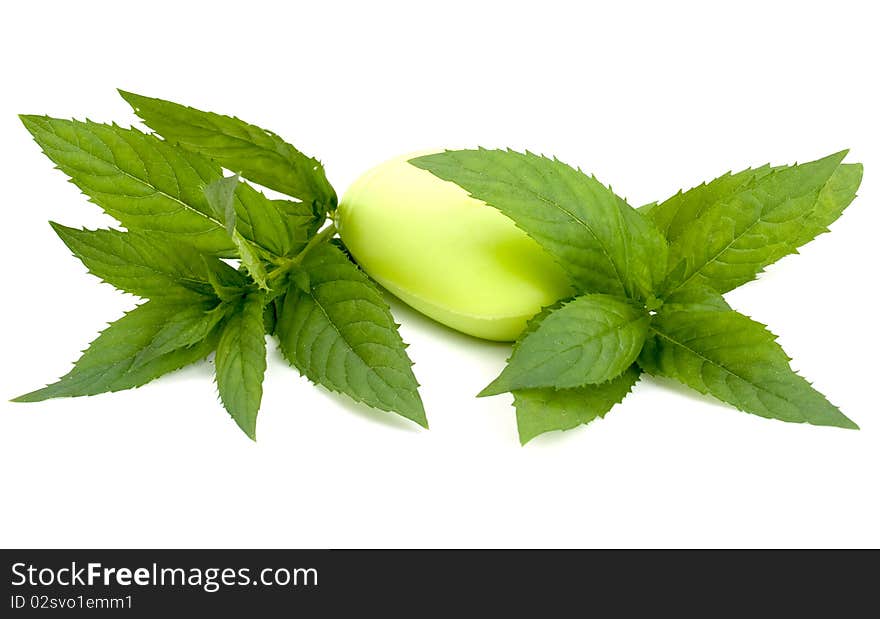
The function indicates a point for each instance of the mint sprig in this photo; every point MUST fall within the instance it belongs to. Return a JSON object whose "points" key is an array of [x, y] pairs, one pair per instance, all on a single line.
{"points": [[184, 219], [668, 265]]}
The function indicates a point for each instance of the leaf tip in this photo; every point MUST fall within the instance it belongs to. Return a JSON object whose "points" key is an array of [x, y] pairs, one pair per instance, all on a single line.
{"points": [[493, 388], [32, 396], [30, 122], [847, 424]]}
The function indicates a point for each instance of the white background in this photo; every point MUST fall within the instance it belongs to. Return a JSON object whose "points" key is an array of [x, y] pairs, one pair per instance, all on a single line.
{"points": [[650, 97]]}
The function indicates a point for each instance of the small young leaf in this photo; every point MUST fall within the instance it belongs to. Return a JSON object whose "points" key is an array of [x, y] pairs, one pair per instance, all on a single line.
{"points": [[240, 362], [184, 328], [341, 335], [228, 283], [149, 264], [735, 359], [735, 238], [250, 260], [544, 410], [108, 363], [589, 340], [255, 153], [221, 196], [605, 245]]}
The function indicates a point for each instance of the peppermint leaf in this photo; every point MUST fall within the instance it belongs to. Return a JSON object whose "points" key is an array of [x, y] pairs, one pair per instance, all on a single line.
{"points": [[188, 326], [736, 237], [835, 196], [737, 360], [149, 264], [139, 180], [150, 185], [675, 215], [221, 197], [341, 335], [255, 153], [240, 363], [544, 410], [696, 298], [109, 362], [227, 283], [589, 340], [604, 245]]}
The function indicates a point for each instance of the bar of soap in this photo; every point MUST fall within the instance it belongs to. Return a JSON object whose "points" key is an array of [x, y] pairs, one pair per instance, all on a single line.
{"points": [[449, 256]]}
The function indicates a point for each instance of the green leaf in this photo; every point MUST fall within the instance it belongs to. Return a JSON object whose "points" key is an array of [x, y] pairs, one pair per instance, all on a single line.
{"points": [[603, 244], [588, 340], [735, 359], [221, 197], [674, 215], [281, 227], [736, 237], [341, 335], [109, 362], [227, 283], [240, 363], [696, 298], [138, 179], [186, 327], [255, 153], [148, 264], [544, 410], [150, 185], [835, 196], [269, 315]]}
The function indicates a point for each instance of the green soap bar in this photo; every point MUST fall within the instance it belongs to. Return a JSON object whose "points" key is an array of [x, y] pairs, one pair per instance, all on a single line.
{"points": [[447, 255]]}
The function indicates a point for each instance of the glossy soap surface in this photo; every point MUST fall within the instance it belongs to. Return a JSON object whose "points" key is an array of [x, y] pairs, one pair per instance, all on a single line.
{"points": [[447, 255]]}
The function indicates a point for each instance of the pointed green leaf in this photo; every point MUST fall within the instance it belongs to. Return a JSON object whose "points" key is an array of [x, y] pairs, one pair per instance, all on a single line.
{"points": [[835, 196], [141, 181], [696, 298], [735, 238], [227, 283], [255, 153], [250, 260], [108, 363], [341, 335], [589, 340], [185, 327], [240, 363], [221, 196], [149, 264], [150, 185], [281, 227], [604, 245], [674, 215], [737, 360], [544, 410]]}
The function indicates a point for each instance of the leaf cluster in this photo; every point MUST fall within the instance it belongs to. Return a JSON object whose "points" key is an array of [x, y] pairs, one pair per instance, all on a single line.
{"points": [[220, 264], [650, 283]]}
